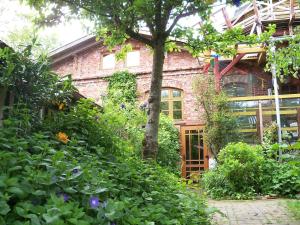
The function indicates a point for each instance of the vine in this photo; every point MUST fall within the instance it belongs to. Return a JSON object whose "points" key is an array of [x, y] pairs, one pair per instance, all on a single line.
{"points": [[122, 87]]}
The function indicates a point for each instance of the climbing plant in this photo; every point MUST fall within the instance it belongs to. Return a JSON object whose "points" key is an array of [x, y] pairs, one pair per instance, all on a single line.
{"points": [[286, 56], [122, 87]]}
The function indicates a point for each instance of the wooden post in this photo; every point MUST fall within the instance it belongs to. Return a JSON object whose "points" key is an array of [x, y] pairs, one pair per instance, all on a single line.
{"points": [[261, 126], [257, 18], [292, 16], [226, 17]]}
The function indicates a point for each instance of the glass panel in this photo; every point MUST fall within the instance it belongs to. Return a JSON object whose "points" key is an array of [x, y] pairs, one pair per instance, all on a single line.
{"points": [[195, 147], [187, 147], [176, 93], [164, 106], [287, 102], [201, 149], [246, 122], [235, 89], [177, 115], [165, 112], [164, 93], [177, 105], [250, 138]]}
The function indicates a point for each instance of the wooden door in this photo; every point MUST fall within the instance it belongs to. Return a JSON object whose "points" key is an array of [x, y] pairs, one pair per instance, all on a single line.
{"points": [[193, 151]]}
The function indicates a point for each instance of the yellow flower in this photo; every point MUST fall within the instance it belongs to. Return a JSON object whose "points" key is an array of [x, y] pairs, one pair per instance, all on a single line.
{"points": [[62, 137], [61, 106]]}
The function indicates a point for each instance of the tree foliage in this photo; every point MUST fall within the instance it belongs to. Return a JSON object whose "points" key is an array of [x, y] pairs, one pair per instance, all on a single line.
{"points": [[31, 80], [286, 57]]}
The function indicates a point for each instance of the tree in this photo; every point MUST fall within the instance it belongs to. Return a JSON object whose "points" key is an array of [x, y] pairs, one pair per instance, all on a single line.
{"points": [[117, 20]]}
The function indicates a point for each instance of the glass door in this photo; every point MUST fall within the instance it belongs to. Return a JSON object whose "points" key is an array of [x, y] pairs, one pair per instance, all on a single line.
{"points": [[194, 152]]}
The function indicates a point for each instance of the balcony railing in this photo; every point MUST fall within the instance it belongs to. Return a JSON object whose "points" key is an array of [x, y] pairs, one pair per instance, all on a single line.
{"points": [[248, 114]]}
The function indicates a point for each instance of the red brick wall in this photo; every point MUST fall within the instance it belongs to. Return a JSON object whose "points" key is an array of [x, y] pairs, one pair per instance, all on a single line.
{"points": [[179, 70]]}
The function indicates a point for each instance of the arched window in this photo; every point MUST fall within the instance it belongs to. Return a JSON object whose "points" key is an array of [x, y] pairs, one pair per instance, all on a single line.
{"points": [[235, 89], [171, 103]]}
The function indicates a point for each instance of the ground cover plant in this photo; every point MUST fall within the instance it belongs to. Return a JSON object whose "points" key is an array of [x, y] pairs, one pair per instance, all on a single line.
{"points": [[79, 166], [294, 207]]}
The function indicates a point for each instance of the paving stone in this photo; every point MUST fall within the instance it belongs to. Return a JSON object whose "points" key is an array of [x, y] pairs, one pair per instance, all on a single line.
{"points": [[257, 212]]}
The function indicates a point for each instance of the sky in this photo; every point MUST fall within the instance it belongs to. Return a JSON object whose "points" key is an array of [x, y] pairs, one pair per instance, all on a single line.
{"points": [[14, 17]]}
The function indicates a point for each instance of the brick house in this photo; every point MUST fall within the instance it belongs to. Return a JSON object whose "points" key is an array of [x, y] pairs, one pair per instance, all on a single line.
{"points": [[242, 77]]}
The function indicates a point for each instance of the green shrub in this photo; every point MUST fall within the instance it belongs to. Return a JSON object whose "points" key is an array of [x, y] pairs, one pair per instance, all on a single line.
{"points": [[244, 172], [282, 179], [238, 174], [168, 154]]}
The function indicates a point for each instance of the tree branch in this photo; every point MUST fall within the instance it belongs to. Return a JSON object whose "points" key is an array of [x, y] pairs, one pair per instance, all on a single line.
{"points": [[180, 16], [139, 37]]}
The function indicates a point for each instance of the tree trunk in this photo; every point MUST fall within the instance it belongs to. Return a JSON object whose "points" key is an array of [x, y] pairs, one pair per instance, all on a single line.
{"points": [[151, 135], [3, 91]]}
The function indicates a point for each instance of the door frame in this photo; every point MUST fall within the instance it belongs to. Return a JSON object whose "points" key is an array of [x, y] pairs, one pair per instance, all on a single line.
{"points": [[184, 128]]}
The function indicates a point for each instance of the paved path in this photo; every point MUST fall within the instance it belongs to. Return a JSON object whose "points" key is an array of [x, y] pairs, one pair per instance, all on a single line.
{"points": [[256, 212]]}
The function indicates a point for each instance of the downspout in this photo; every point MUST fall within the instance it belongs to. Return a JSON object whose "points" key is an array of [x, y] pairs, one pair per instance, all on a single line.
{"points": [[277, 106]]}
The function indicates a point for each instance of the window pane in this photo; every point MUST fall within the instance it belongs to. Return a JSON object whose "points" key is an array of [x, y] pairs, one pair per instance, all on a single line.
{"points": [[109, 61], [177, 105], [176, 93], [164, 106], [133, 58], [166, 113], [164, 93], [177, 115]]}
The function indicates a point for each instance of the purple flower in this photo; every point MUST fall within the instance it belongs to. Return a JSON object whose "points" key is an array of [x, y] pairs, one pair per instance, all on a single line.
{"points": [[65, 197], [113, 223], [94, 202]]}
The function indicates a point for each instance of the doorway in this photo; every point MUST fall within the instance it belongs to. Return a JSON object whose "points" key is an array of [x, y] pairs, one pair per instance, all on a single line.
{"points": [[193, 151]]}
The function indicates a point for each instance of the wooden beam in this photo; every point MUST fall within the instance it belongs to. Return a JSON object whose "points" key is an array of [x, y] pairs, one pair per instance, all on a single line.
{"points": [[261, 58], [248, 50], [257, 18], [226, 17], [292, 16], [231, 64], [217, 73]]}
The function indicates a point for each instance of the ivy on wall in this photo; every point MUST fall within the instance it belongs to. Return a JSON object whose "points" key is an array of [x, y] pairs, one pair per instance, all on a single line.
{"points": [[122, 87]]}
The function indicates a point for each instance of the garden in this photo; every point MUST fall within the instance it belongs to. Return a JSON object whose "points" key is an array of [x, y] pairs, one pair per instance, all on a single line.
{"points": [[66, 160], [79, 163]]}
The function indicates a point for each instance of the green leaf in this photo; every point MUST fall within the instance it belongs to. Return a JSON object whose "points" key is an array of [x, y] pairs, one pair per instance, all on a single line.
{"points": [[4, 208]]}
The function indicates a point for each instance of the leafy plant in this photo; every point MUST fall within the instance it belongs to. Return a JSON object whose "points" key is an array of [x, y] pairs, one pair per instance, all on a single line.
{"points": [[122, 87], [244, 172], [221, 126], [294, 207], [44, 180], [31, 81]]}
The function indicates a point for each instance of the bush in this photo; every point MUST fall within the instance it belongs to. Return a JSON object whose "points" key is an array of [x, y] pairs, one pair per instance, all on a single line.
{"points": [[168, 154], [238, 174], [54, 178], [282, 179], [244, 172]]}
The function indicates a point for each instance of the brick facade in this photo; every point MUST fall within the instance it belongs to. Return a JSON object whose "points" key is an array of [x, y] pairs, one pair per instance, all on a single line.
{"points": [[89, 77]]}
